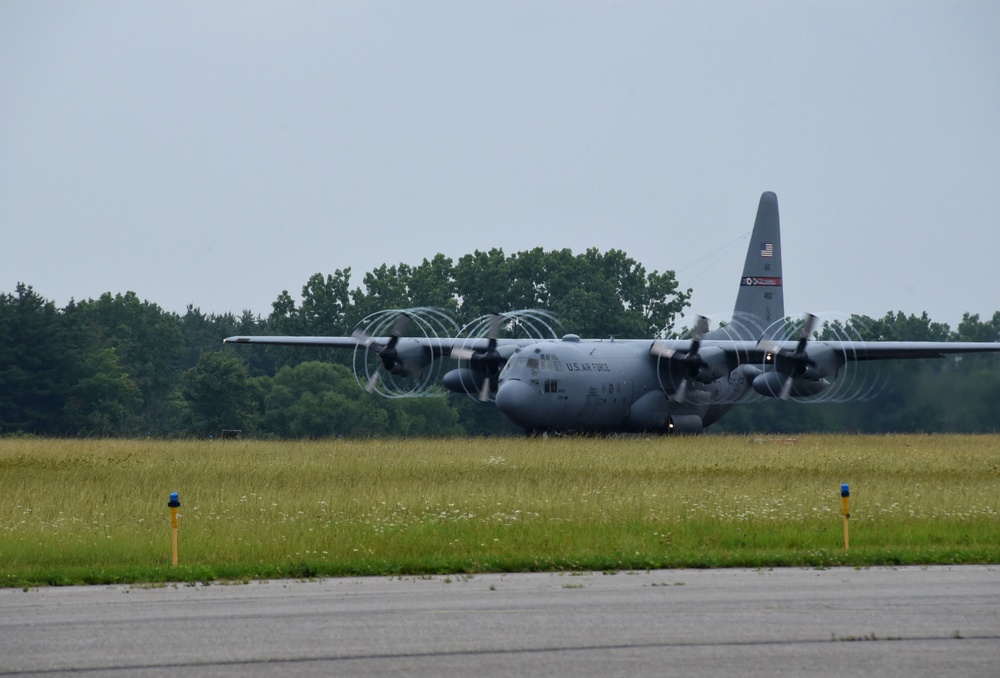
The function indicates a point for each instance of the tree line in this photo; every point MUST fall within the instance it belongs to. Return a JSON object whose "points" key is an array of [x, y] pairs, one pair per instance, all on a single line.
{"points": [[119, 366]]}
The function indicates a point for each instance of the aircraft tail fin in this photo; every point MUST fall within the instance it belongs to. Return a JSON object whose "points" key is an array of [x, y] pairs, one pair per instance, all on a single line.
{"points": [[760, 301]]}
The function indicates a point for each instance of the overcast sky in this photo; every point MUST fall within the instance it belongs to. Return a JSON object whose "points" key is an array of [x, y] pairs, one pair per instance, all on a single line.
{"points": [[217, 153]]}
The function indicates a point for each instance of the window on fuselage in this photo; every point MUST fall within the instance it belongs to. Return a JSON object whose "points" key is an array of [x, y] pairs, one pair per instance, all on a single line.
{"points": [[545, 362]]}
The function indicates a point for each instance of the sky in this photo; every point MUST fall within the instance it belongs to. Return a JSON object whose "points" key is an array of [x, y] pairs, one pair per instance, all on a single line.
{"points": [[217, 153]]}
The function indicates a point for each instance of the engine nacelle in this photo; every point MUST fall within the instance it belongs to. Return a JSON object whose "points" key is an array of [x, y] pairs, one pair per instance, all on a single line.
{"points": [[463, 380], [411, 359], [685, 424], [715, 364], [770, 384], [707, 366], [651, 412], [809, 372]]}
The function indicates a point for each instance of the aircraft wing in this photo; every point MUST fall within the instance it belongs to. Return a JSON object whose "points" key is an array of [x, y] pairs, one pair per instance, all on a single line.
{"points": [[440, 346], [316, 342], [877, 350], [894, 350], [855, 350], [804, 367]]}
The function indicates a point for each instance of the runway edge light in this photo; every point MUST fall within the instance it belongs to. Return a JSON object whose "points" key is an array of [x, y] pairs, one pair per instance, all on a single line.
{"points": [[174, 504], [845, 505]]}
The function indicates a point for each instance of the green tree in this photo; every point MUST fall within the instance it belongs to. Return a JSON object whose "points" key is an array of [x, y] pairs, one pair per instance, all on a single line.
{"points": [[385, 287], [285, 317], [592, 294], [323, 312], [972, 329], [104, 401], [318, 400], [900, 327], [200, 334], [483, 281], [432, 284], [325, 304], [425, 417], [478, 418], [37, 353], [148, 343], [260, 360], [220, 395]]}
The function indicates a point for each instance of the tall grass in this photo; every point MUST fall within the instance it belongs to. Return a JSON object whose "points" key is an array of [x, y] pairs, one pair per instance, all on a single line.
{"points": [[96, 511]]}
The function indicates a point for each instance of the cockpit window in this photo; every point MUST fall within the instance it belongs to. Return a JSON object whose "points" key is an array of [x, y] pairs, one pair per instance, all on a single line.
{"points": [[545, 362], [549, 363]]}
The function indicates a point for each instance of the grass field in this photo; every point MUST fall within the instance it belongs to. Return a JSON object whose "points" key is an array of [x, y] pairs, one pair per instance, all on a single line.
{"points": [[96, 511]]}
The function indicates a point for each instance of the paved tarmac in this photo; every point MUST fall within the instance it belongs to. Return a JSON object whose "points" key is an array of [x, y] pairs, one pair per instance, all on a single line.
{"points": [[841, 622]]}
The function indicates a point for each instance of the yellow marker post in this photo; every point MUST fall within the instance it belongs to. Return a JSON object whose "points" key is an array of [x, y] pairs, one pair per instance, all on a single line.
{"points": [[174, 505], [845, 504]]}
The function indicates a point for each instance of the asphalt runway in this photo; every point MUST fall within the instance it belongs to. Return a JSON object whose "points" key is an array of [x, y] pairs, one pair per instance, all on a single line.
{"points": [[841, 622]]}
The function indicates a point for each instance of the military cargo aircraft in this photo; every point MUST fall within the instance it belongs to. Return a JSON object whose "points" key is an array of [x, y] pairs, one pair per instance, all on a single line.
{"points": [[572, 384]]}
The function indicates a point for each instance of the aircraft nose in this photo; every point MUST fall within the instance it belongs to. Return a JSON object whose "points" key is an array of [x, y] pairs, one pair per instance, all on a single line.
{"points": [[518, 402]]}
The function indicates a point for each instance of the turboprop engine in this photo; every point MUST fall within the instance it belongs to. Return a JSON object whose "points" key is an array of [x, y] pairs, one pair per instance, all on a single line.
{"points": [[480, 367], [677, 369], [397, 366], [800, 373], [464, 380], [409, 359], [776, 385], [704, 367]]}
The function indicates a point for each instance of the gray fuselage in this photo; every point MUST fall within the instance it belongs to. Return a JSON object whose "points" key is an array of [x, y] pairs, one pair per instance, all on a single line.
{"points": [[574, 385]]}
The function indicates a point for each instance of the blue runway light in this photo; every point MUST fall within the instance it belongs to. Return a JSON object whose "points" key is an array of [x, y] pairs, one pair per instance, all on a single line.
{"points": [[845, 504], [175, 504]]}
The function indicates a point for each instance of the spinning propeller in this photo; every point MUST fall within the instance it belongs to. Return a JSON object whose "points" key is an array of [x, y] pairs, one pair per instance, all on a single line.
{"points": [[794, 363], [387, 354], [488, 362], [690, 364]]}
